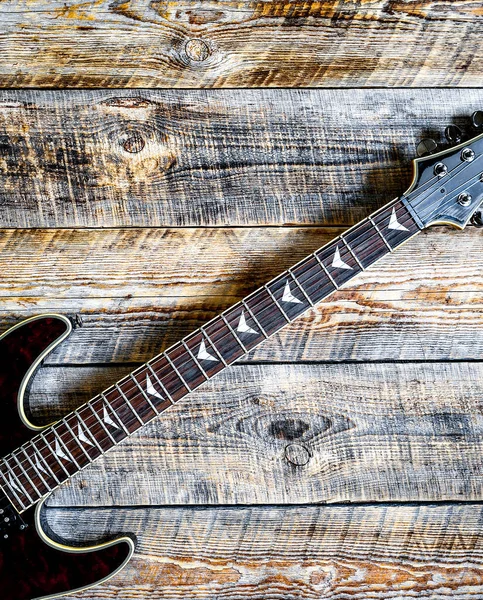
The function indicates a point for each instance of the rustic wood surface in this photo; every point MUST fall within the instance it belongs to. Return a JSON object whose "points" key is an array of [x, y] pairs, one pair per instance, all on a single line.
{"points": [[213, 43], [142, 214], [200, 158]]}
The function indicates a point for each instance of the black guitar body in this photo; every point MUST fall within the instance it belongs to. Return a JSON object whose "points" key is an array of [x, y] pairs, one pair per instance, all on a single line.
{"points": [[32, 565]]}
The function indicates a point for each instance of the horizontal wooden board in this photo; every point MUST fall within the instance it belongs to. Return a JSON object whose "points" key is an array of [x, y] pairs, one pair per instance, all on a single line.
{"points": [[276, 434], [302, 553], [213, 43], [133, 292], [226, 157]]}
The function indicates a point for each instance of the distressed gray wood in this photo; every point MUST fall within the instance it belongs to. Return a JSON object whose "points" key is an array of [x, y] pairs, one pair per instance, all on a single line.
{"points": [[277, 434], [303, 553], [226, 157], [136, 291], [209, 43]]}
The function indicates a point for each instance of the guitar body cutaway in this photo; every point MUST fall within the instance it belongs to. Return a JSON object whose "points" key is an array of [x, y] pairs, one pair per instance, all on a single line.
{"points": [[32, 564]]}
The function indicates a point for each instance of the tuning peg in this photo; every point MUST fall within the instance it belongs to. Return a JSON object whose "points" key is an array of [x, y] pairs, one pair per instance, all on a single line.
{"points": [[426, 146], [477, 119], [453, 134], [477, 219]]}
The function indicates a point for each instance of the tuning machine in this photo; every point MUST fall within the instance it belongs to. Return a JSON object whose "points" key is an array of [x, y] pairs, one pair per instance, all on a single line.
{"points": [[477, 119], [453, 134], [426, 146], [477, 218]]}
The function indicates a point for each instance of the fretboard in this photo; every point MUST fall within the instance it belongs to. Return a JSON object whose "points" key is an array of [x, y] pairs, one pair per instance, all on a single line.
{"points": [[38, 467]]}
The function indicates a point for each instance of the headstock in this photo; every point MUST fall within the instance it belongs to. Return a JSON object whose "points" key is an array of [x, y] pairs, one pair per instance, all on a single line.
{"points": [[447, 187]]}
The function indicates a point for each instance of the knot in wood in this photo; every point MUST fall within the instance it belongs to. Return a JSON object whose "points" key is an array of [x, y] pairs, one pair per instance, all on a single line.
{"points": [[297, 454], [134, 143], [197, 50]]}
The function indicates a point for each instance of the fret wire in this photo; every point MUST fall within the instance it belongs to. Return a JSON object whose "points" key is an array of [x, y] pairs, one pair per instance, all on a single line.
{"points": [[299, 285], [160, 383], [118, 418], [59, 437], [124, 397], [374, 224], [101, 422], [287, 318], [34, 467], [178, 373], [88, 431], [17, 481], [240, 343], [341, 237], [76, 441], [12, 489], [326, 271], [195, 360], [203, 333], [54, 454], [26, 475], [44, 461], [144, 394], [254, 318]]}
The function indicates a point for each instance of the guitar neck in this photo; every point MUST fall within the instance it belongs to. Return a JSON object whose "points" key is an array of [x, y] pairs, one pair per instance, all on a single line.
{"points": [[61, 450]]}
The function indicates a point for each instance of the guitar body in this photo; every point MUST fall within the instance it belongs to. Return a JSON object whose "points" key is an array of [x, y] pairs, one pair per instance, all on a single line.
{"points": [[32, 564]]}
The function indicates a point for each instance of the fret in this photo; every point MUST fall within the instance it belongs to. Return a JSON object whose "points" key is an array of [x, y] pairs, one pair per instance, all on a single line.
{"points": [[299, 286], [52, 453], [14, 482], [178, 373], [44, 461], [185, 345], [105, 407], [287, 318], [244, 327], [370, 246], [332, 280], [224, 337], [288, 297], [144, 395], [170, 379], [35, 469], [131, 394], [64, 446], [313, 278], [396, 223], [250, 312], [160, 383], [87, 429], [10, 491], [147, 381], [103, 430], [205, 336], [186, 367], [351, 251], [237, 338], [35, 489], [380, 233], [338, 262], [74, 437], [136, 416]]}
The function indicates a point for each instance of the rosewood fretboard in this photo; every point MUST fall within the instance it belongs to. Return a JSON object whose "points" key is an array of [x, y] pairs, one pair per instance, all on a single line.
{"points": [[63, 449]]}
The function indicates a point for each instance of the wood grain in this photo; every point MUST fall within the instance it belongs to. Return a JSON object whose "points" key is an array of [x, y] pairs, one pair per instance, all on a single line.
{"points": [[288, 434], [212, 43], [132, 292], [226, 157], [302, 553]]}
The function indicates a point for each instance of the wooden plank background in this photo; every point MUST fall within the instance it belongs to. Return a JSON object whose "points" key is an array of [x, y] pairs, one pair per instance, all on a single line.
{"points": [[342, 458]]}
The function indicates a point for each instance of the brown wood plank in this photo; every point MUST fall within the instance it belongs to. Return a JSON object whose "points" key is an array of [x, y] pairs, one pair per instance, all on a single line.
{"points": [[227, 157], [209, 43], [255, 553], [288, 434], [136, 291]]}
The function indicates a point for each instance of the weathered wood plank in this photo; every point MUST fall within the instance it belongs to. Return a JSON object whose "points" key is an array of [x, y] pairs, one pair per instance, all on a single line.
{"points": [[234, 157], [138, 291], [275, 434], [302, 553], [210, 43]]}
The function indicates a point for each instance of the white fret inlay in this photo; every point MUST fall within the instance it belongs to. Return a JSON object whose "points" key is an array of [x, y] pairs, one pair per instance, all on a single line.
{"points": [[394, 223], [60, 453], [337, 262], [82, 436], [288, 296], [203, 353], [151, 390], [107, 419], [243, 327], [13, 484], [39, 465]]}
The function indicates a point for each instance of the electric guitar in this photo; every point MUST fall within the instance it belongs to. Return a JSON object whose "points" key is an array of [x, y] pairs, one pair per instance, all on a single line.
{"points": [[447, 189]]}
